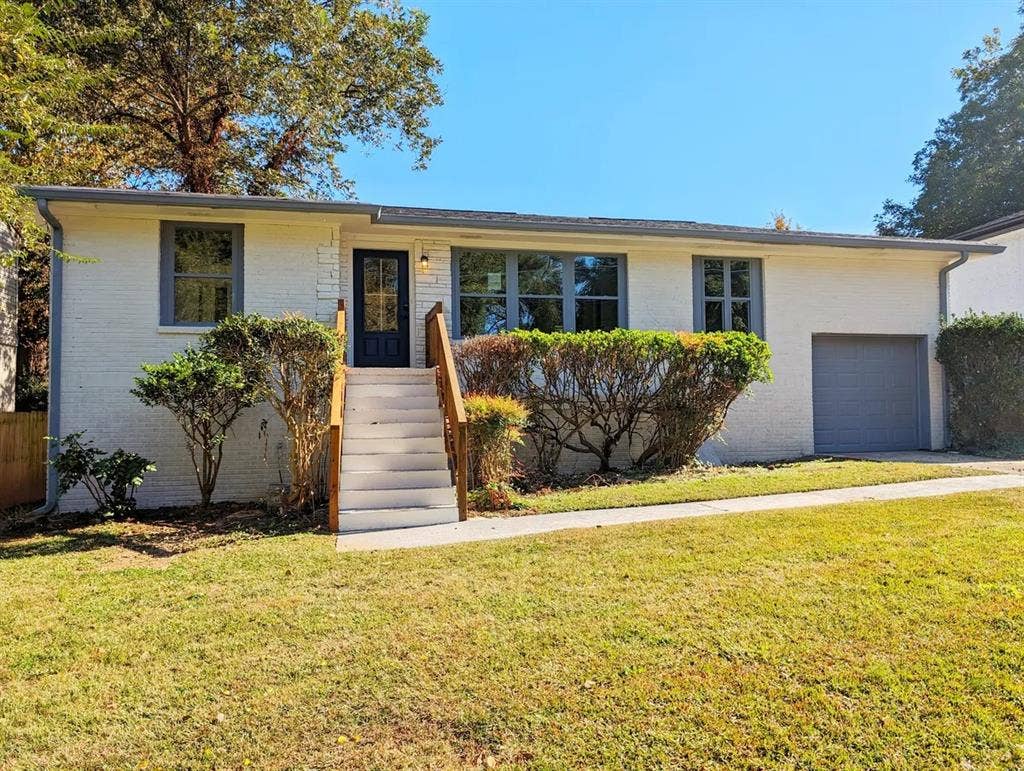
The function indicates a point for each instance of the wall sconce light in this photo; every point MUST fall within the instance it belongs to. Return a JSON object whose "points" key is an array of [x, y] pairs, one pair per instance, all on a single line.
{"points": [[424, 261]]}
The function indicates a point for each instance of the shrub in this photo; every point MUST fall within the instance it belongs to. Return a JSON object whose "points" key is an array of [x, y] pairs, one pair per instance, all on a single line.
{"points": [[291, 361], [495, 428], [110, 479], [704, 375], [663, 392], [983, 357], [205, 395]]}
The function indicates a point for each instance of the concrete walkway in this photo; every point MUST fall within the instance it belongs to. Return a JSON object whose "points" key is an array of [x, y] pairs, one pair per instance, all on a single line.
{"points": [[484, 529], [998, 465]]}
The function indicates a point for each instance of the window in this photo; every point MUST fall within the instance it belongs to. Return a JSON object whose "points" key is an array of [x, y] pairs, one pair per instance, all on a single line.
{"points": [[549, 291], [201, 272], [727, 295]]}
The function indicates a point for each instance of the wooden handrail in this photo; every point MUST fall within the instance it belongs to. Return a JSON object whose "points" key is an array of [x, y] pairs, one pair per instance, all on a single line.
{"points": [[456, 439], [337, 423]]}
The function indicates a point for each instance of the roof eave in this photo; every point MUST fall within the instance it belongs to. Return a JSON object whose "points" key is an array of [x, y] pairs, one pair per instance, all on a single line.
{"points": [[196, 200], [792, 238]]}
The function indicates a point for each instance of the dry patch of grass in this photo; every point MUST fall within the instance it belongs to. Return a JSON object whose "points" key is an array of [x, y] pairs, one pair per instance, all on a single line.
{"points": [[717, 483], [871, 634]]}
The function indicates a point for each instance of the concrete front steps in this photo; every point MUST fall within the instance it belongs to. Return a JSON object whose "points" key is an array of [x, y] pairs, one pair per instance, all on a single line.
{"points": [[394, 469]]}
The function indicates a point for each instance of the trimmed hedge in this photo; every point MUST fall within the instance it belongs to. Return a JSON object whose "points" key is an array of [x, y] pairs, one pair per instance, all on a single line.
{"points": [[663, 393], [984, 360]]}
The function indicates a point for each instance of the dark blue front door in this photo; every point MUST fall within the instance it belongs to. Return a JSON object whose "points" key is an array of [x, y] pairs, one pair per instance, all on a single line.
{"points": [[381, 308]]}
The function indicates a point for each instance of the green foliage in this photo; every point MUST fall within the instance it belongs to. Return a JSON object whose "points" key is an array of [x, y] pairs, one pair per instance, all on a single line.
{"points": [[30, 395], [46, 134], [969, 172], [259, 96], [984, 360], [205, 395], [589, 392], [290, 361], [111, 479], [495, 428]]}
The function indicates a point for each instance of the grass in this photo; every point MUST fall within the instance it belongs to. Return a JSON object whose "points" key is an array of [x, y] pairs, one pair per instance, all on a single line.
{"points": [[871, 634], [708, 484]]}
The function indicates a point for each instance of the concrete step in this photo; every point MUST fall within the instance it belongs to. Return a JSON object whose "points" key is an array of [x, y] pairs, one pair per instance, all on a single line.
{"points": [[385, 519], [405, 479], [399, 499], [363, 375], [393, 416], [354, 430], [417, 389], [355, 446], [369, 401], [395, 461]]}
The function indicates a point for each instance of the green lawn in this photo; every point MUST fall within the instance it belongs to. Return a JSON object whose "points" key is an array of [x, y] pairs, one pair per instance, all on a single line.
{"points": [[708, 484], [868, 634]]}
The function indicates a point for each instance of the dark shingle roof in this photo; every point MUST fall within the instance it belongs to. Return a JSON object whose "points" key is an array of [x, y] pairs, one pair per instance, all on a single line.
{"points": [[467, 218], [995, 227]]}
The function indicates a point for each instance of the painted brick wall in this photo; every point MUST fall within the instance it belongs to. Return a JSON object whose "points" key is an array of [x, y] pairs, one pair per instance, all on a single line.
{"points": [[803, 296], [430, 285], [110, 325], [990, 283]]}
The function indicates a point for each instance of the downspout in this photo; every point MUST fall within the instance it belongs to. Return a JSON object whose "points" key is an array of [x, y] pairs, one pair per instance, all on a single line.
{"points": [[947, 438], [56, 304]]}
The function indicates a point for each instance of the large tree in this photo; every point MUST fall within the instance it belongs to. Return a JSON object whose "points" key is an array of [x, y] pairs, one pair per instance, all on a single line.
{"points": [[259, 96], [972, 170], [46, 133]]}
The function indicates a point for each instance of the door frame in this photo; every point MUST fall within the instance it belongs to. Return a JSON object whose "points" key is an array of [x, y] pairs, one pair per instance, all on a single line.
{"points": [[924, 420], [404, 302]]}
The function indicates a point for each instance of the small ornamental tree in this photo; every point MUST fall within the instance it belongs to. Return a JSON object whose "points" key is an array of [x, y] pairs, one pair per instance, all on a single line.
{"points": [[291, 361], [205, 395]]}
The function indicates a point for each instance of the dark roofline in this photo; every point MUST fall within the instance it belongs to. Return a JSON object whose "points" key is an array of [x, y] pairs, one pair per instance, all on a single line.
{"points": [[995, 227], [391, 215]]}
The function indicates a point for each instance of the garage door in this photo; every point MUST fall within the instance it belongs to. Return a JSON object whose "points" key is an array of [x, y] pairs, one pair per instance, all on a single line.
{"points": [[866, 394]]}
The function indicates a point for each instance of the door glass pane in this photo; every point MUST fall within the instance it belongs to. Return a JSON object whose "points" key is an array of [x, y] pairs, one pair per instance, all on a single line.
{"points": [[740, 316], [597, 276], [713, 316], [597, 314], [200, 250], [545, 315], [739, 278], [540, 274], [201, 300], [481, 316], [482, 272], [380, 294], [714, 278], [389, 275]]}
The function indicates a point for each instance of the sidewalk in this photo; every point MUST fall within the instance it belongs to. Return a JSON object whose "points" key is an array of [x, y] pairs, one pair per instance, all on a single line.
{"points": [[484, 529]]}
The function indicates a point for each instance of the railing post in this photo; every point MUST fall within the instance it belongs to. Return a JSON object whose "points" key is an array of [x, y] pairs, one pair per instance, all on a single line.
{"points": [[336, 418], [431, 344]]}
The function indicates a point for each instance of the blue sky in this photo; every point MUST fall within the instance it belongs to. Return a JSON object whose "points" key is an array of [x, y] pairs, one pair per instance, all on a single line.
{"points": [[717, 112]]}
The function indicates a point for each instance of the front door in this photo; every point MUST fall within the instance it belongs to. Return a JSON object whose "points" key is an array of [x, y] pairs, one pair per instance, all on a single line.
{"points": [[381, 323]]}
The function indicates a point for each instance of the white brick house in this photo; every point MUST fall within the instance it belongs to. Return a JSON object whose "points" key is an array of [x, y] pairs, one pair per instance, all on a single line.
{"points": [[851, 320], [996, 284]]}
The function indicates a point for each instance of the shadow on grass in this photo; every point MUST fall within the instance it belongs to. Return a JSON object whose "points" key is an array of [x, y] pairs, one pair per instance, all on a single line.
{"points": [[159, 534]]}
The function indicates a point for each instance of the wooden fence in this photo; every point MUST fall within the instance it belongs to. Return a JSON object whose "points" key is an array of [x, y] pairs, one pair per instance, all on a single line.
{"points": [[22, 457]]}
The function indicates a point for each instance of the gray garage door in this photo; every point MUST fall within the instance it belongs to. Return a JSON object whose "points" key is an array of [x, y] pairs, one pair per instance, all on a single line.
{"points": [[867, 394]]}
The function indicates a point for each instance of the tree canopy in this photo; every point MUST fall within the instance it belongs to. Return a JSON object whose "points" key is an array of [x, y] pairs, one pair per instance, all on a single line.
{"points": [[258, 96], [972, 170], [46, 134]]}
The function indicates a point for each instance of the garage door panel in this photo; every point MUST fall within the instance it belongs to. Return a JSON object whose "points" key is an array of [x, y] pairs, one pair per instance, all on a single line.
{"points": [[866, 393]]}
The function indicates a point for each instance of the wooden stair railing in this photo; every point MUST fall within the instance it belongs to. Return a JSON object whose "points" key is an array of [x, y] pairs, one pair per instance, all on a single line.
{"points": [[456, 431], [337, 418]]}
